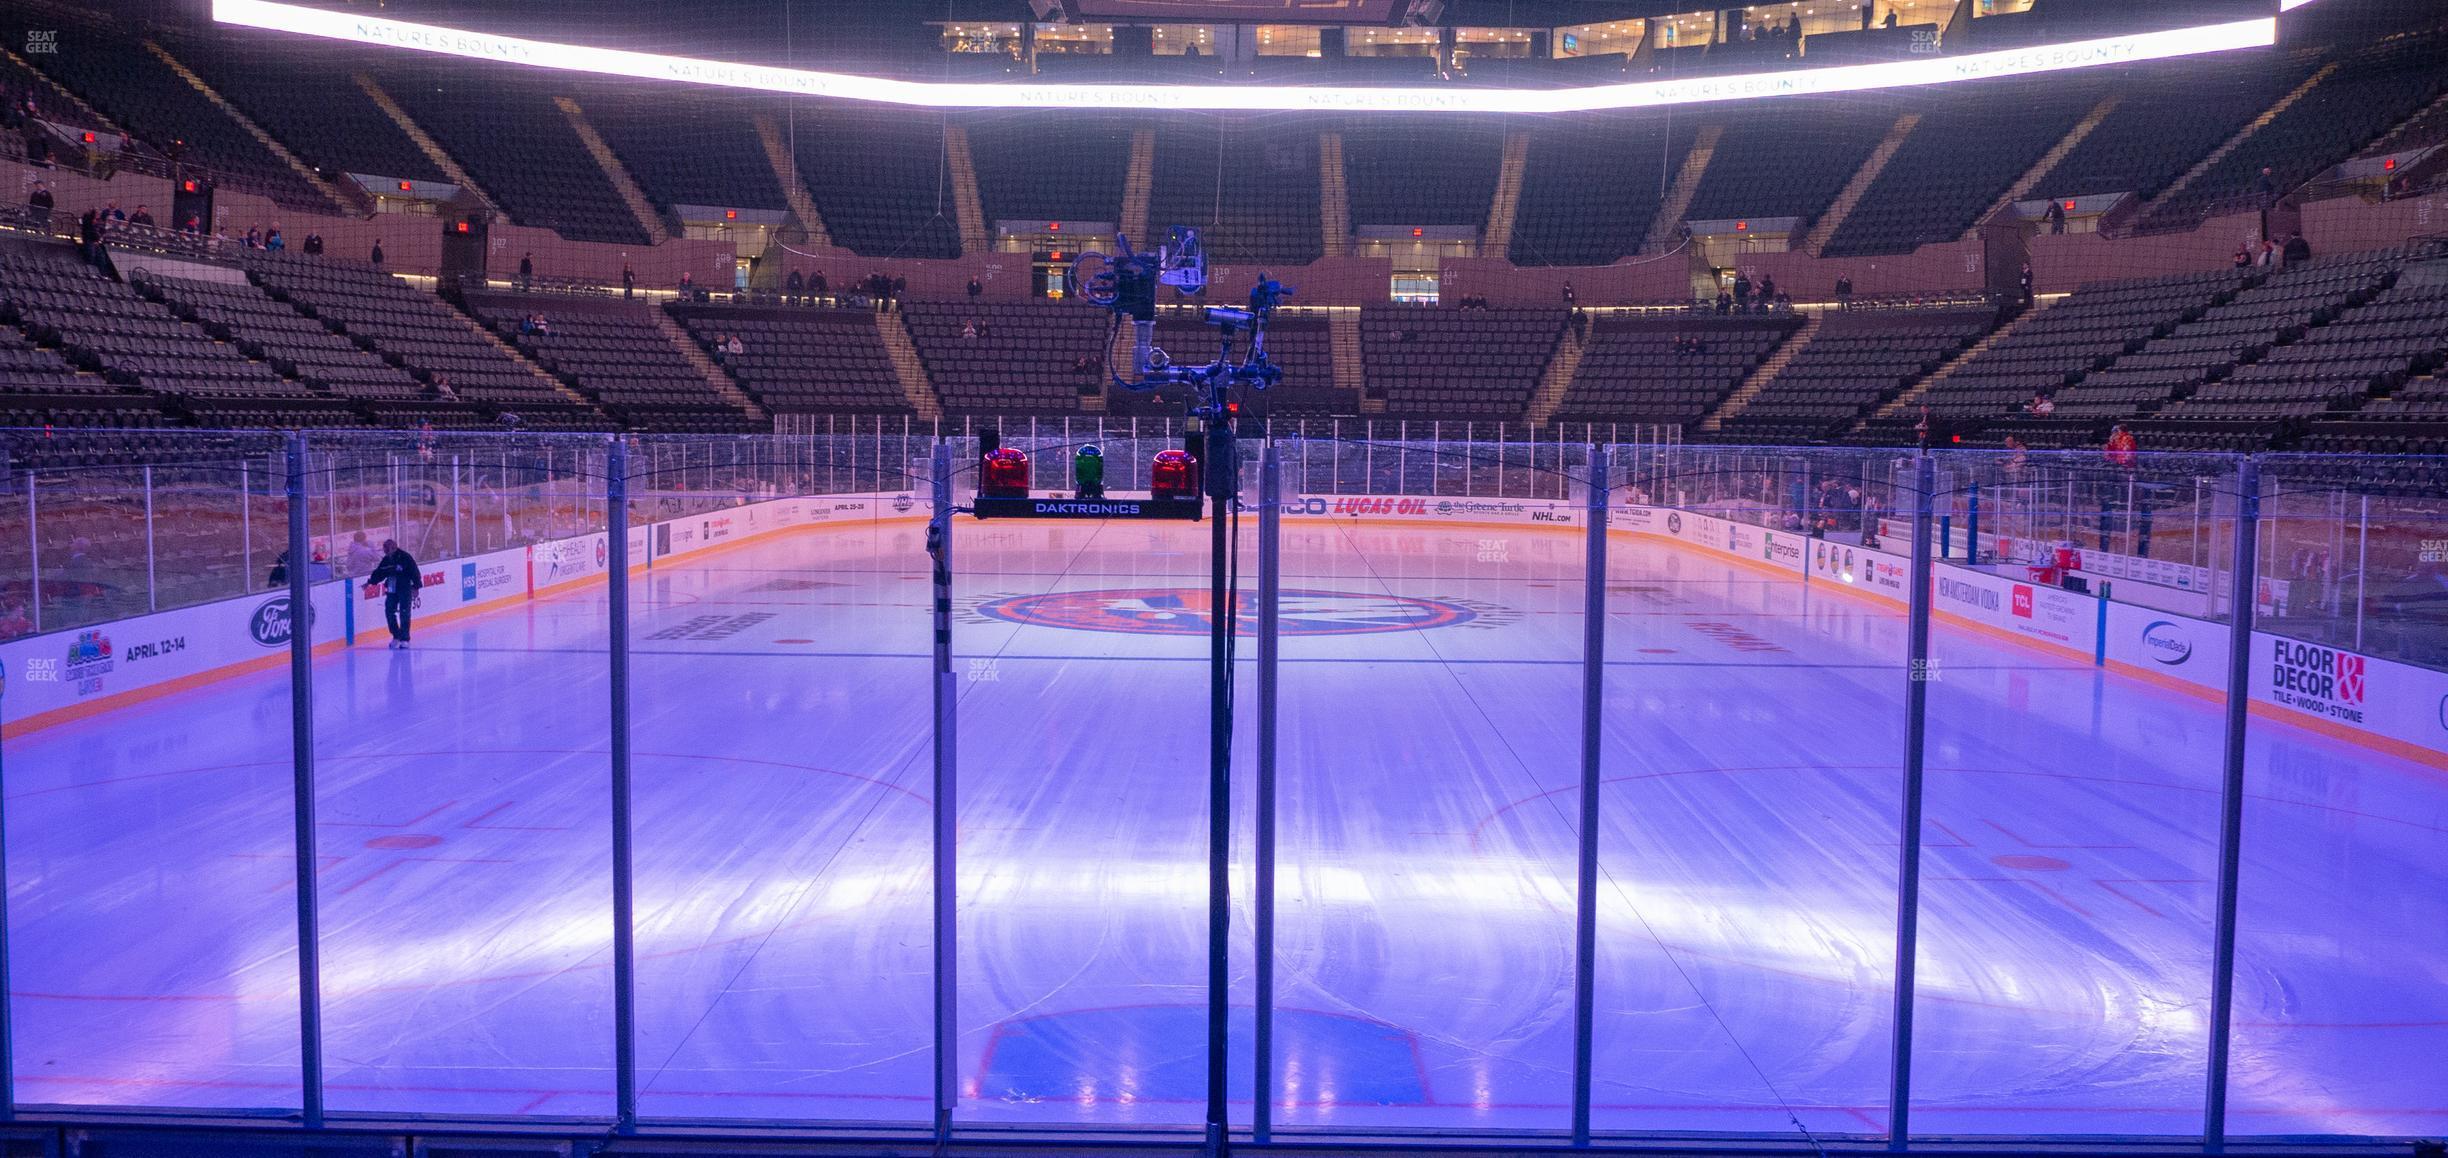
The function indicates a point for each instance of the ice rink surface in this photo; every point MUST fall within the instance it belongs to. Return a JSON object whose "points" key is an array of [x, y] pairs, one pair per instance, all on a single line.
{"points": [[1430, 694]]}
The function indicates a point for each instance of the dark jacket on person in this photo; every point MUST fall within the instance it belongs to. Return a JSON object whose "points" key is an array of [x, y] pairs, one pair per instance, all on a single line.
{"points": [[398, 574]]}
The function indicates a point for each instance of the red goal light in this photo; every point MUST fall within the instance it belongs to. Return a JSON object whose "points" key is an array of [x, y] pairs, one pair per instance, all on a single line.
{"points": [[1004, 475], [1174, 475]]}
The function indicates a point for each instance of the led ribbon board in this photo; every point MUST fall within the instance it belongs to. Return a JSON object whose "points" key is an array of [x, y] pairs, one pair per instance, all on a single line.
{"points": [[2077, 54]]}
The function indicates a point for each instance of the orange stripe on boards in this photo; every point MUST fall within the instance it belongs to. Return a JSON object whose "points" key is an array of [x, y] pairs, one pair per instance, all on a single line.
{"points": [[199, 680]]}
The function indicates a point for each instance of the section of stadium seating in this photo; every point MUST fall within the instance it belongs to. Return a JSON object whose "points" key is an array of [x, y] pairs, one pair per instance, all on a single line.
{"points": [[2197, 354], [419, 333], [879, 176], [686, 148], [802, 361], [1425, 170], [2372, 91], [102, 326], [117, 74], [1455, 363], [1006, 358], [1857, 360], [339, 131], [1592, 186], [612, 352], [1041, 168], [503, 128], [292, 343], [2086, 331], [2171, 115], [1966, 150], [1789, 158], [1670, 371], [1251, 186]]}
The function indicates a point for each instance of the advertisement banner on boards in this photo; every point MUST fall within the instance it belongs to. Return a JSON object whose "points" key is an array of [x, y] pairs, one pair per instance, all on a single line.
{"points": [[2362, 693], [2046, 614], [64, 669], [2178, 647]]}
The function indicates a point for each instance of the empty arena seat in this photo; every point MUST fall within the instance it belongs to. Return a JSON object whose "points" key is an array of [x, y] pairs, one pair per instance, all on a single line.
{"points": [[804, 361], [1591, 187], [1667, 371], [1456, 363], [614, 353], [1856, 361], [1011, 358], [1251, 187]]}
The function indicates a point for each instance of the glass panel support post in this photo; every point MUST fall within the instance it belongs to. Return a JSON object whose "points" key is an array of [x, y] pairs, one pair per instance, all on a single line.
{"points": [[1908, 862], [1585, 894], [302, 773], [2231, 799]]}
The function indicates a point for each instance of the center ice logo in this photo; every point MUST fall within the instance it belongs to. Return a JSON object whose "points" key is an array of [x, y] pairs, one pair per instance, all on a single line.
{"points": [[1184, 611]]}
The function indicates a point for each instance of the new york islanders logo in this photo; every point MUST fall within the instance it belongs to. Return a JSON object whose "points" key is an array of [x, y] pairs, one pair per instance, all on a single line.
{"points": [[1184, 611]]}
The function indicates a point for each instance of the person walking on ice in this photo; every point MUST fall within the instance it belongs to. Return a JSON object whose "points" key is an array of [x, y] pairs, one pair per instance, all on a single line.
{"points": [[400, 580]]}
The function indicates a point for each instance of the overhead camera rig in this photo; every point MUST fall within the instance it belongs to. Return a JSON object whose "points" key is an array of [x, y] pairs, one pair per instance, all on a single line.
{"points": [[1127, 284]]}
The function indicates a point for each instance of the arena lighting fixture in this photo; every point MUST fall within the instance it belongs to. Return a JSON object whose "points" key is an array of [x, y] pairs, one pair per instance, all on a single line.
{"points": [[2179, 42]]}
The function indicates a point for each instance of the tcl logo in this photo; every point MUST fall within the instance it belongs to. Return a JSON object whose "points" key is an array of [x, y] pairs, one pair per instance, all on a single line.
{"points": [[2022, 602]]}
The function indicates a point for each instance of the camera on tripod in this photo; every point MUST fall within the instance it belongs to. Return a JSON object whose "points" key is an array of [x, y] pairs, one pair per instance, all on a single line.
{"points": [[1128, 285]]}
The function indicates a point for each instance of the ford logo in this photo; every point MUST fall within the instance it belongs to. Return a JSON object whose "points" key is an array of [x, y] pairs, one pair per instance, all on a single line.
{"points": [[2167, 643], [271, 623]]}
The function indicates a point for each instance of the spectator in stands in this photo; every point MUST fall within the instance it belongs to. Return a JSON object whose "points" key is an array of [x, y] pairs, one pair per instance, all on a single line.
{"points": [[314, 244], [1844, 288], [2269, 253], [14, 619], [900, 286], [1767, 290], [816, 283], [734, 347], [977, 288], [2056, 216], [377, 256], [1568, 296], [2243, 257], [2121, 447], [688, 285], [142, 216], [274, 242], [2266, 185], [2296, 249], [1742, 293], [279, 575], [1725, 302], [41, 201], [254, 237], [2041, 406], [400, 578], [969, 331], [628, 282], [362, 557], [792, 288], [2023, 284], [2017, 456], [526, 271], [112, 212], [89, 237], [194, 224], [1891, 18]]}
